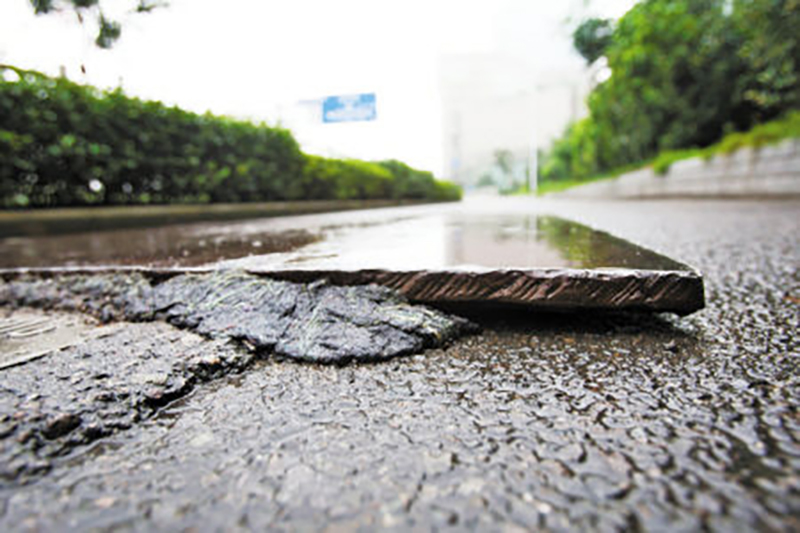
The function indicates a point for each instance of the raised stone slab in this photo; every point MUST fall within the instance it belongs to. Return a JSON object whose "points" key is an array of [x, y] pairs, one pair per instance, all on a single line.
{"points": [[539, 262], [680, 292]]}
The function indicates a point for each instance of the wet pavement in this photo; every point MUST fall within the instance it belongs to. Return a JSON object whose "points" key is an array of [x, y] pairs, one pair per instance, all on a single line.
{"points": [[91, 390], [430, 237], [567, 422], [169, 246]]}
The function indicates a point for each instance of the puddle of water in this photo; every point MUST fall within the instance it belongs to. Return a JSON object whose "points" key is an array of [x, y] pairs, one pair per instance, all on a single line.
{"points": [[179, 246]]}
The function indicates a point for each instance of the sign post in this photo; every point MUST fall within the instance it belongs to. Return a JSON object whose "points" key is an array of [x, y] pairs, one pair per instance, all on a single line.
{"points": [[349, 108]]}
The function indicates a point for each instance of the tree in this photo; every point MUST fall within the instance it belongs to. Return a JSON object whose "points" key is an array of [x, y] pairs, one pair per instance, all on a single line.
{"points": [[592, 38], [771, 55], [671, 87], [683, 74], [504, 161], [486, 180], [109, 31]]}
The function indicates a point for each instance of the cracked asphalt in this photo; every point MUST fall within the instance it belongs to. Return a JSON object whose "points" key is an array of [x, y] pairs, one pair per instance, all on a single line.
{"points": [[558, 423]]}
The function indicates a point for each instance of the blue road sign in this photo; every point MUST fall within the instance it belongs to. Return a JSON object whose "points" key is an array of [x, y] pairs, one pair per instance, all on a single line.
{"points": [[349, 108]]}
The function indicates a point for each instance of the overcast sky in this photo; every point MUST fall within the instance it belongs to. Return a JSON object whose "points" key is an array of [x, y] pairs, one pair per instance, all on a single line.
{"points": [[256, 59]]}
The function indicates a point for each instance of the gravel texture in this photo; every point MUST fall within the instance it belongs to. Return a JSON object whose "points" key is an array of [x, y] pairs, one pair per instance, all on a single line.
{"points": [[83, 393]]}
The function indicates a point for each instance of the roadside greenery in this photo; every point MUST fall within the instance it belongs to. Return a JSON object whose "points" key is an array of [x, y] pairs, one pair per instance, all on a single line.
{"points": [[771, 132], [761, 135], [548, 186], [64, 144], [684, 74]]}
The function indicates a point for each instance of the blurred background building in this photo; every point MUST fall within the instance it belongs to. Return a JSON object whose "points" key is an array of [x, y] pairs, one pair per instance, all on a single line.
{"points": [[498, 110]]}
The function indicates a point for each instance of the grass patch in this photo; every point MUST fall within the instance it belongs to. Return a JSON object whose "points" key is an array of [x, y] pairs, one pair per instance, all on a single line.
{"points": [[548, 186], [664, 161]]}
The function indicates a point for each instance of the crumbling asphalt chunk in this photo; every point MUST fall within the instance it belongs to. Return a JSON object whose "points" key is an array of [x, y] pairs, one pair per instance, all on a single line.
{"points": [[79, 394], [312, 322]]}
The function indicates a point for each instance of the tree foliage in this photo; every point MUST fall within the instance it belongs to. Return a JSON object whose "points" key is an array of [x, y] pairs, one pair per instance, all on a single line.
{"points": [[684, 73], [108, 31], [64, 144], [592, 38], [504, 161]]}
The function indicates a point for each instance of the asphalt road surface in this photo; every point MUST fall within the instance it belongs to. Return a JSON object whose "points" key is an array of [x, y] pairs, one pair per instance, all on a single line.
{"points": [[556, 423]]}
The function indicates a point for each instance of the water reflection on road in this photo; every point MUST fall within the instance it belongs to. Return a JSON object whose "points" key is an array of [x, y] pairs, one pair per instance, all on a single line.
{"points": [[183, 245], [427, 237]]}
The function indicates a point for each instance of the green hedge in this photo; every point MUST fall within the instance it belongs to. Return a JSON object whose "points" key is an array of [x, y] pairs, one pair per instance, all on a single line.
{"points": [[64, 144]]}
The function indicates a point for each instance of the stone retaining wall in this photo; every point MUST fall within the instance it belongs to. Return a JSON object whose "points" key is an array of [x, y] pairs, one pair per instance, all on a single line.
{"points": [[772, 171]]}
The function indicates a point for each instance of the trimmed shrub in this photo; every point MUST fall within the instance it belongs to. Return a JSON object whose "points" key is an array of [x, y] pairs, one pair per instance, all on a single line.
{"points": [[65, 144]]}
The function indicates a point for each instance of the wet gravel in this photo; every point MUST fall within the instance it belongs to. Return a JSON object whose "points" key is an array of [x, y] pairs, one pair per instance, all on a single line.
{"points": [[541, 422]]}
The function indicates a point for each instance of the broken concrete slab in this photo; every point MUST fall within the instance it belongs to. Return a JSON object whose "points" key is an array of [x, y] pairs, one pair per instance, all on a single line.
{"points": [[313, 322]]}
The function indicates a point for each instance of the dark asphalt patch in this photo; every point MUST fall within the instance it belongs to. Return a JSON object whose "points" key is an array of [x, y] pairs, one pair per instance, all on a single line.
{"points": [[311, 322]]}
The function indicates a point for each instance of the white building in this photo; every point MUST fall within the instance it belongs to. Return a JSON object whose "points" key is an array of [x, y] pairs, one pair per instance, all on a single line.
{"points": [[494, 102]]}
